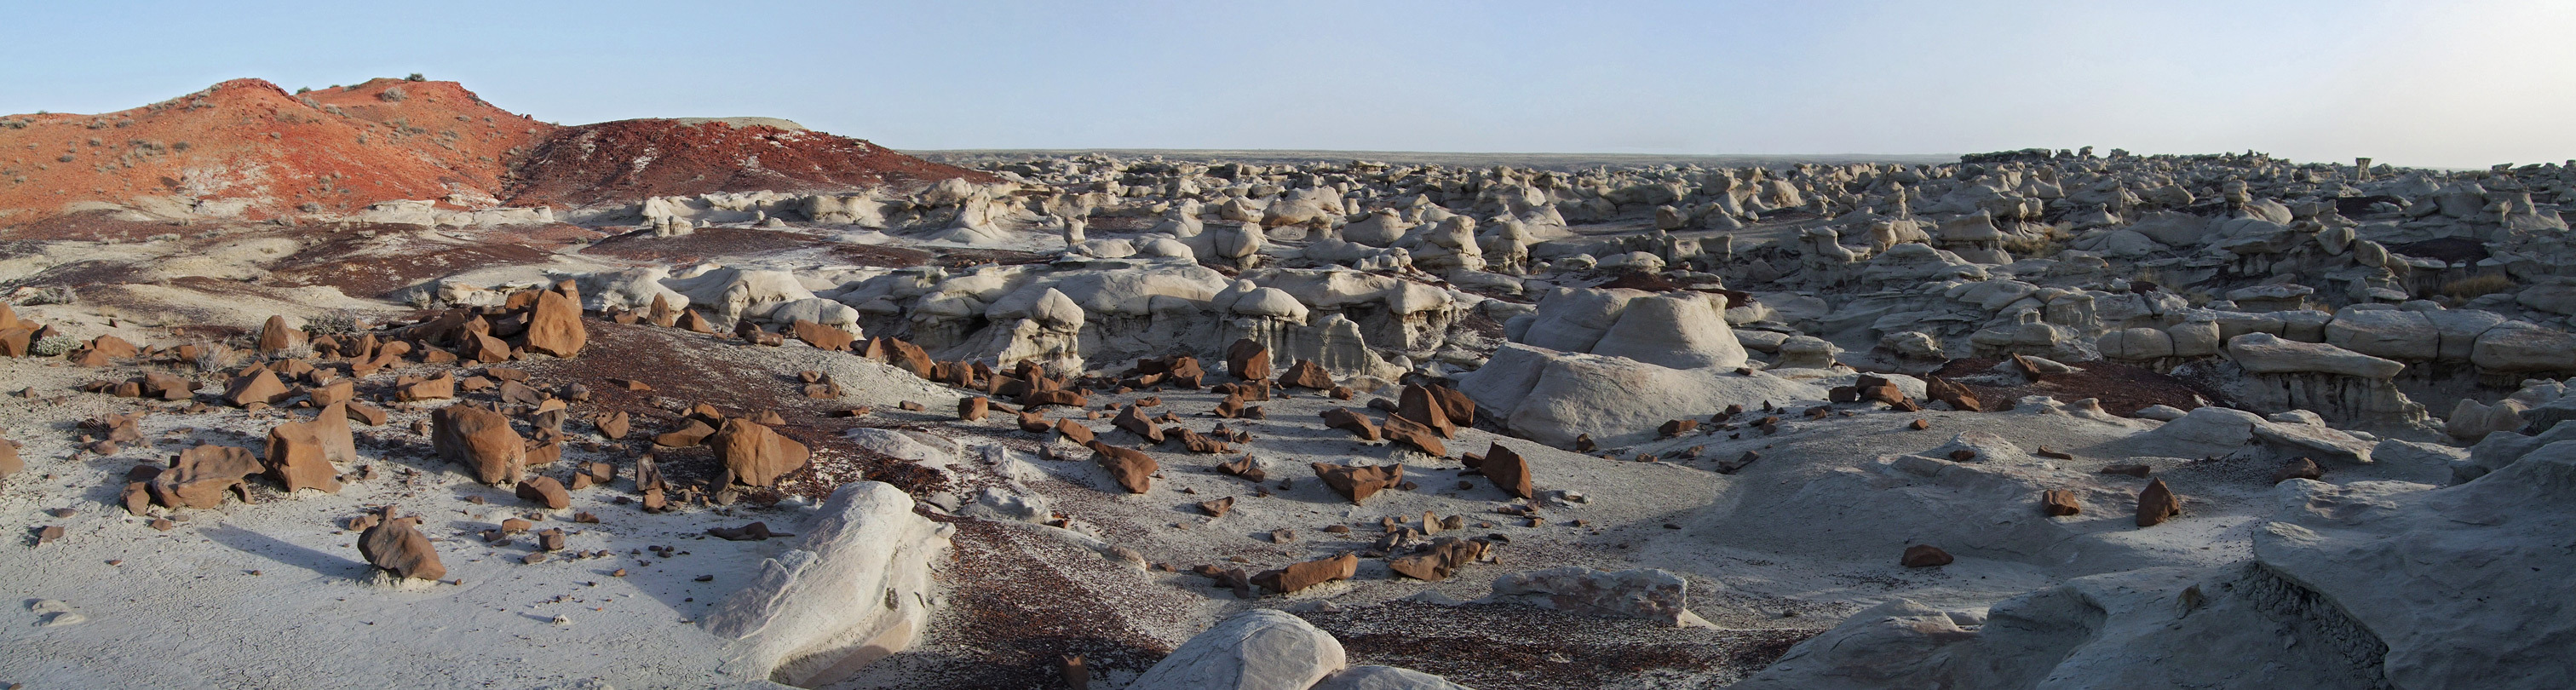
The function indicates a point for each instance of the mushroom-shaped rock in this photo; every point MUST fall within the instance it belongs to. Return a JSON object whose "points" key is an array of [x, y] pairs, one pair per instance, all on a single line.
{"points": [[480, 439], [857, 588], [755, 454], [1261, 649]]}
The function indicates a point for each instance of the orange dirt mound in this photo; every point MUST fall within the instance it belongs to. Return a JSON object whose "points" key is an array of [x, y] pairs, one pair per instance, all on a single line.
{"points": [[338, 149]]}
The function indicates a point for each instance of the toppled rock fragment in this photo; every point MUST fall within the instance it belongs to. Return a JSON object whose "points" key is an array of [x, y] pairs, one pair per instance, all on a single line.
{"points": [[1925, 556], [1359, 482], [1299, 576], [480, 439], [2157, 504]]}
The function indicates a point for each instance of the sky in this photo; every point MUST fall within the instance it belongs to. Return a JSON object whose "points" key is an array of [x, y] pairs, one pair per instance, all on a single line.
{"points": [[2452, 83]]}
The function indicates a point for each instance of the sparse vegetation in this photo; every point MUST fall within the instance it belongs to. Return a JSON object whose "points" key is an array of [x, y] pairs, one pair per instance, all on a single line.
{"points": [[55, 294], [214, 356], [337, 322], [2474, 287], [301, 90], [415, 76], [54, 346], [392, 95]]}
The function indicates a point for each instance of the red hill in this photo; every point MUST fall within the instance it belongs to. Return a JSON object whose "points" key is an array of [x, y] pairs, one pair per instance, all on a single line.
{"points": [[248, 143]]}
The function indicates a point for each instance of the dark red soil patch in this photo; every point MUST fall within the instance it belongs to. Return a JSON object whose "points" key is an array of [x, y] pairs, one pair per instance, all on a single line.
{"points": [[632, 159], [365, 267], [2122, 389], [967, 258], [88, 225], [1508, 647], [1017, 613], [685, 369]]}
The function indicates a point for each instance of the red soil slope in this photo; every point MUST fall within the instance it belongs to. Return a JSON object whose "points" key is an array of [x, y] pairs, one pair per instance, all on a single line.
{"points": [[337, 150], [631, 159]]}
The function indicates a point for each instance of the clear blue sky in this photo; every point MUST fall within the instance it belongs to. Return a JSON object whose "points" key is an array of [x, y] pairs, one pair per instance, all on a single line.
{"points": [[2449, 83]]}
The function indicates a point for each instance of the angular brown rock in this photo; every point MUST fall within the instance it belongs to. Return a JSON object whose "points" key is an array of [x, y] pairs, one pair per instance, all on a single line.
{"points": [[480, 439], [1359, 482], [1308, 574], [393, 545], [300, 454], [2298, 468], [1509, 471], [1400, 429], [554, 325], [203, 476], [755, 454], [1357, 424], [1925, 556], [2157, 504], [545, 491], [1415, 403], [2059, 503], [1247, 360], [1307, 374], [1133, 469], [1438, 561]]}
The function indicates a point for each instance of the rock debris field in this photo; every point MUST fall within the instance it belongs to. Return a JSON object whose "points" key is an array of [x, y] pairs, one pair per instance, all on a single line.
{"points": [[2024, 419]]}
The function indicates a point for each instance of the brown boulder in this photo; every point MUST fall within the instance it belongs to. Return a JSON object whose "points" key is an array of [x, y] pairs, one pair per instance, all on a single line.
{"points": [[1217, 508], [1307, 374], [2059, 503], [393, 544], [2157, 504], [1509, 471], [1925, 556], [973, 409], [1359, 482], [1357, 424], [690, 321], [259, 386], [1042, 398], [1248, 360], [168, 386], [685, 437], [9, 462], [821, 336], [1405, 431], [202, 476], [1133, 421], [1308, 574], [756, 455], [1133, 469], [545, 491], [276, 337], [1243, 467], [16, 342], [300, 454], [2299, 468], [908, 357], [480, 439], [1415, 403], [1076, 433], [614, 425], [441, 388], [1958, 396], [1440, 560]]}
